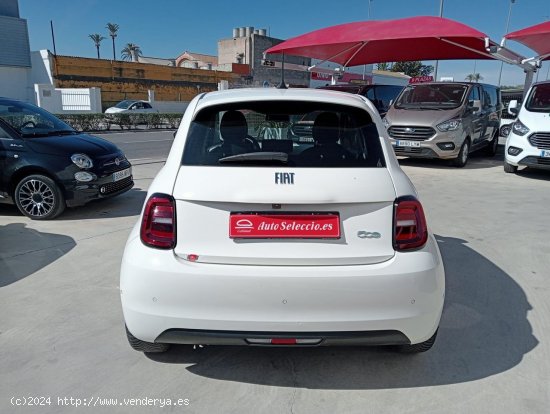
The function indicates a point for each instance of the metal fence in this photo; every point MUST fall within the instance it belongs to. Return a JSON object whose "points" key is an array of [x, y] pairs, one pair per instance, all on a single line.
{"points": [[75, 100]]}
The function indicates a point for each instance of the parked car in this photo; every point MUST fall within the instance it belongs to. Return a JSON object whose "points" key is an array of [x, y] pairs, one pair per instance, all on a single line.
{"points": [[445, 120], [528, 141], [131, 106], [380, 95], [248, 240], [45, 165]]}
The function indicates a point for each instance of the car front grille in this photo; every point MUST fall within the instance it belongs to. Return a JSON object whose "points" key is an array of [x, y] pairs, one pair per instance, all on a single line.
{"points": [[407, 150], [113, 187], [411, 133], [540, 140]]}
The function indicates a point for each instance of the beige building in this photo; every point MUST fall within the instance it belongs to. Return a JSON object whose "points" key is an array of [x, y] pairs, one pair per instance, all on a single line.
{"points": [[247, 46]]}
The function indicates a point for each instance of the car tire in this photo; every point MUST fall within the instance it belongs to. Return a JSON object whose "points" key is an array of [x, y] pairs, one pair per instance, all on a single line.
{"points": [[491, 149], [509, 168], [143, 346], [463, 155], [417, 348], [39, 197]]}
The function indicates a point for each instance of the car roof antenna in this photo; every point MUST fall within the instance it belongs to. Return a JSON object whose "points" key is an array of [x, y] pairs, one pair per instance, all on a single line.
{"points": [[282, 85]]}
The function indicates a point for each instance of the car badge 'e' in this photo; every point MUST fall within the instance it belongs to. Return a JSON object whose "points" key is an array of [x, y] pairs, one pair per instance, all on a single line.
{"points": [[284, 178], [368, 234]]}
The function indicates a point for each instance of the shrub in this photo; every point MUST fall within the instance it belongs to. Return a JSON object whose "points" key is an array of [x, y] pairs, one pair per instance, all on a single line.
{"points": [[104, 122]]}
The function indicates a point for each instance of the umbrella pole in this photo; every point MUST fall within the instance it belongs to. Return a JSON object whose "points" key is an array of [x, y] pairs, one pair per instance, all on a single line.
{"points": [[282, 85]]}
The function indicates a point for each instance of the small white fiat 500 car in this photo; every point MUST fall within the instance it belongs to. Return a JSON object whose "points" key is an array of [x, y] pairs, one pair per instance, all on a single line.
{"points": [[264, 230], [528, 142]]}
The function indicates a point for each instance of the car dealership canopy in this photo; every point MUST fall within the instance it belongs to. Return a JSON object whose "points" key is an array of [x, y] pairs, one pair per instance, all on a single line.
{"points": [[535, 37], [413, 38]]}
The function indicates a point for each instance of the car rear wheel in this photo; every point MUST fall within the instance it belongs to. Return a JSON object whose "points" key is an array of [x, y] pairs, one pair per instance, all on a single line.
{"points": [[509, 168], [417, 348], [492, 148], [39, 197], [463, 155], [143, 346]]}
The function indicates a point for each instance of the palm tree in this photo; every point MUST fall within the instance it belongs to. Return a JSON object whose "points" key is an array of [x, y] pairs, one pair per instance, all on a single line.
{"points": [[131, 52], [474, 77], [383, 66], [113, 29], [96, 38]]}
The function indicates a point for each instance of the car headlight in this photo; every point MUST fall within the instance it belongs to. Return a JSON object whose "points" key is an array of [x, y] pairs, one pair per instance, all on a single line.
{"points": [[82, 161], [519, 128], [385, 122], [450, 125]]}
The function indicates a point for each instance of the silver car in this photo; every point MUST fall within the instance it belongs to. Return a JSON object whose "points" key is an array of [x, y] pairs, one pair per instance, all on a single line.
{"points": [[445, 120]]}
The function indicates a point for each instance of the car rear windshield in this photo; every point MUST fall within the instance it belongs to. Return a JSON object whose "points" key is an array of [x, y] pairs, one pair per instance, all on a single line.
{"points": [[432, 96], [539, 98], [297, 134]]}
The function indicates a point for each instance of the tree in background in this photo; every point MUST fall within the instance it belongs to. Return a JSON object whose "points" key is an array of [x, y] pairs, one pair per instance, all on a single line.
{"points": [[131, 52], [474, 77], [96, 38], [113, 29], [383, 66], [412, 69]]}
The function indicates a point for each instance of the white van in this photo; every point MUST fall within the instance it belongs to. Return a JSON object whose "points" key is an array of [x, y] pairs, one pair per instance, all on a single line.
{"points": [[528, 142]]}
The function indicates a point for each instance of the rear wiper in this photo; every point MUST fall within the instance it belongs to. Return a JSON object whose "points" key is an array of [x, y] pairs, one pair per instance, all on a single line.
{"points": [[281, 157]]}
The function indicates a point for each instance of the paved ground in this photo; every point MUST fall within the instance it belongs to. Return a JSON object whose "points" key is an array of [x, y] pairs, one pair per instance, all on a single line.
{"points": [[61, 327], [142, 147]]}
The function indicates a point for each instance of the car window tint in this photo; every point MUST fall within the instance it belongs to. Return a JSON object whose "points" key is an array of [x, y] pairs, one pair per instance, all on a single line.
{"points": [[146, 105], [29, 119], [474, 94], [385, 94], [539, 98], [308, 134], [447, 96], [3, 133]]}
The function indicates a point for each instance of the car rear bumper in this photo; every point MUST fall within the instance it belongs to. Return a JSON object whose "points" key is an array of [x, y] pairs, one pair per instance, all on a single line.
{"points": [[203, 337], [165, 298]]}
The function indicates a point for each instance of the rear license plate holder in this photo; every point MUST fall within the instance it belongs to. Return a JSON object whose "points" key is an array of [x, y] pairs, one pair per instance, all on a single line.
{"points": [[260, 225]]}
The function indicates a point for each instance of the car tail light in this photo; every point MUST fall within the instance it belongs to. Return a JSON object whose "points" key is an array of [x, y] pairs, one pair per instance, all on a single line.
{"points": [[158, 225], [409, 224]]}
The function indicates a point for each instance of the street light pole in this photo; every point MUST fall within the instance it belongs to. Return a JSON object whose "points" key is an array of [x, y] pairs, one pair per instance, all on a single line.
{"points": [[437, 61], [370, 1], [505, 32]]}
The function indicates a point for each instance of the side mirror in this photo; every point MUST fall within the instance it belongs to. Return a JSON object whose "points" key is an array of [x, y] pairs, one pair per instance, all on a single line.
{"points": [[391, 103], [474, 105], [513, 107]]}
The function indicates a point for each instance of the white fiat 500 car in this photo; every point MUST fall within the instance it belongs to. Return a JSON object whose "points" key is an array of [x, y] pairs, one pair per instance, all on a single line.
{"points": [[257, 232], [528, 142]]}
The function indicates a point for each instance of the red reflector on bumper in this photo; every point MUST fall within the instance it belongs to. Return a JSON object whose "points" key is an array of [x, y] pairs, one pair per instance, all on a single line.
{"points": [[283, 341]]}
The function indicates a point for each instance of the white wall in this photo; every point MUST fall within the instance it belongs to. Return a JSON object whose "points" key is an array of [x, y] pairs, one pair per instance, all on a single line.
{"points": [[170, 107], [388, 80], [68, 100], [41, 71], [15, 83]]}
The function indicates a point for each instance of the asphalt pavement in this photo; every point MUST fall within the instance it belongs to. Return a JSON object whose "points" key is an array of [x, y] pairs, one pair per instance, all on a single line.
{"points": [[62, 331], [142, 147]]}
